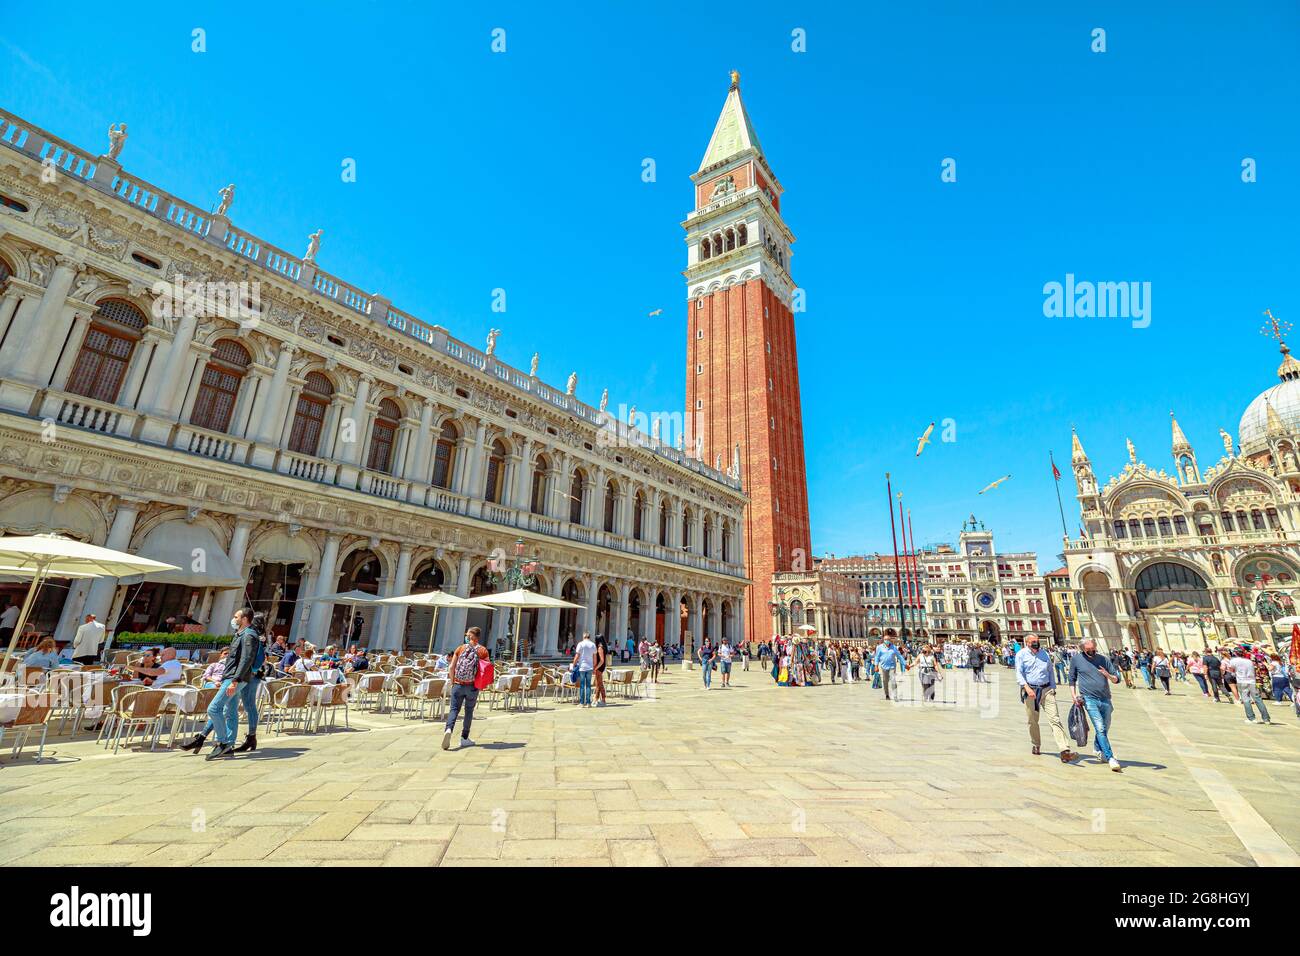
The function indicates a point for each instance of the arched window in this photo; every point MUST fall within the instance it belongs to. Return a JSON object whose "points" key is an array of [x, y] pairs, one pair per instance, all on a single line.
{"points": [[1243, 523], [576, 491], [494, 488], [1120, 530], [1149, 527], [1165, 529], [1180, 524], [1134, 528], [1272, 519], [708, 536], [638, 506], [611, 499], [726, 541], [444, 454], [219, 386], [106, 351], [541, 474], [731, 239], [705, 248], [686, 529], [5, 270], [383, 436], [665, 516], [309, 417], [1256, 519], [1226, 518], [742, 235], [1161, 583]]}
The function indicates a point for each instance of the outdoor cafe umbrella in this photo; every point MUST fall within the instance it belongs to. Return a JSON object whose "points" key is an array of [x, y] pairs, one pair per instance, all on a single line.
{"points": [[435, 600], [43, 556], [352, 599], [520, 599], [806, 628]]}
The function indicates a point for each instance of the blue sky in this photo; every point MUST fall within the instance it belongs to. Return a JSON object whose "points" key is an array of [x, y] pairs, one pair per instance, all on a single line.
{"points": [[522, 171]]}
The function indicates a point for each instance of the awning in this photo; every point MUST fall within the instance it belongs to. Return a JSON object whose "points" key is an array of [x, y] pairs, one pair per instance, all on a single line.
{"points": [[200, 561]]}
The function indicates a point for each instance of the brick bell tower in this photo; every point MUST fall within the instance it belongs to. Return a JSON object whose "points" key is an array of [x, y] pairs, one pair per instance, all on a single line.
{"points": [[742, 366]]}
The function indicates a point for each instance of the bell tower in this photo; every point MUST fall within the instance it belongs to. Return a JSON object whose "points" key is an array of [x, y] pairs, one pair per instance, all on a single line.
{"points": [[742, 366]]}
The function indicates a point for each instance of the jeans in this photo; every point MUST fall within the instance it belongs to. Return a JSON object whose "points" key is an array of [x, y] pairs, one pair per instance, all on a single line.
{"points": [[584, 688], [1099, 712], [1205, 688], [1281, 689], [708, 673], [1146, 676], [467, 694], [223, 712], [1248, 694]]}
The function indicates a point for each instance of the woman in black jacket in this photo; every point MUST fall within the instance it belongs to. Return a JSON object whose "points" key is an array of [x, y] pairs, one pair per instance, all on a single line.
{"points": [[240, 683]]}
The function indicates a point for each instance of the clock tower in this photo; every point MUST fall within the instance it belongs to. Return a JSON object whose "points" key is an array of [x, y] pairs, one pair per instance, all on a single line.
{"points": [[742, 367]]}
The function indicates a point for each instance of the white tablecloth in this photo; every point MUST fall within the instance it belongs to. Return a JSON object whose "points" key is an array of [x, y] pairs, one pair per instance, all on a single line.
{"points": [[327, 676], [10, 705], [422, 688], [183, 698], [320, 692]]}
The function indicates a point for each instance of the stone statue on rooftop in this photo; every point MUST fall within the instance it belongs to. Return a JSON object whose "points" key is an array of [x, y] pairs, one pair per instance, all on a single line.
{"points": [[116, 140], [573, 383], [492, 341], [532, 369], [604, 400], [655, 431], [1227, 442], [631, 417], [227, 197], [313, 246], [1132, 452]]}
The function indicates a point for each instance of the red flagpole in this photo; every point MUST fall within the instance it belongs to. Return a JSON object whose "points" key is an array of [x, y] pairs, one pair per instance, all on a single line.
{"points": [[898, 579], [907, 570], [916, 568]]}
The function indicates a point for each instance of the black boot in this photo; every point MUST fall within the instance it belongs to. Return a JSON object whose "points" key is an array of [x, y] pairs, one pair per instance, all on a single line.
{"points": [[196, 744], [250, 743], [220, 750]]}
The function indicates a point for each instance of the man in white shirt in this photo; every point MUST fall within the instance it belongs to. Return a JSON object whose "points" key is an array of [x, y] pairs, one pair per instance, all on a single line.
{"points": [[1244, 668], [167, 672], [8, 618], [584, 658], [85, 646], [725, 654]]}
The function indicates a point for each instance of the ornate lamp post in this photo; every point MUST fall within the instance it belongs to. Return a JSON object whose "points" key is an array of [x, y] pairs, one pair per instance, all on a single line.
{"points": [[1202, 619], [780, 610], [519, 575]]}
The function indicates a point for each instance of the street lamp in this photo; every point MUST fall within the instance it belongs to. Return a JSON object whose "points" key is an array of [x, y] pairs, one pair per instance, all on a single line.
{"points": [[780, 610], [519, 575], [1202, 619]]}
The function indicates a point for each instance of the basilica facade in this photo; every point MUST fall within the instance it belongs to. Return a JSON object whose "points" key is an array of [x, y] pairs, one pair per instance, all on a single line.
{"points": [[1191, 557], [175, 386]]}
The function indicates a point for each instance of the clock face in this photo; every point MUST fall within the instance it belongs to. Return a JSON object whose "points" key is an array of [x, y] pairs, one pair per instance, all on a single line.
{"points": [[985, 599]]}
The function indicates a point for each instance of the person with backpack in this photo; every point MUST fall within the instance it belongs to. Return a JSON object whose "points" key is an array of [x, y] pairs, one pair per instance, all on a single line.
{"points": [[464, 672]]}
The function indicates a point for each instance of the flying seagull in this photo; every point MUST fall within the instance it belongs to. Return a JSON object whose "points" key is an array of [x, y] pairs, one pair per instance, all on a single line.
{"points": [[656, 312], [996, 483], [924, 439]]}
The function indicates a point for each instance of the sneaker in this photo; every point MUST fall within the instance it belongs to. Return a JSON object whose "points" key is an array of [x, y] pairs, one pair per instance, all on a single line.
{"points": [[1250, 720], [1114, 765], [465, 742], [446, 739]]}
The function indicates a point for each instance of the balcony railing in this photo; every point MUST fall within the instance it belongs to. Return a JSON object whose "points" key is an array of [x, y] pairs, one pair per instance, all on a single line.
{"points": [[78, 411], [210, 444]]}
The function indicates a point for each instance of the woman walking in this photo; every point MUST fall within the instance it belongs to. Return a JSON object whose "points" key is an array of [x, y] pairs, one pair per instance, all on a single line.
{"points": [[977, 663], [1197, 668], [1277, 674], [928, 670], [240, 681], [706, 662], [602, 658], [1160, 667]]}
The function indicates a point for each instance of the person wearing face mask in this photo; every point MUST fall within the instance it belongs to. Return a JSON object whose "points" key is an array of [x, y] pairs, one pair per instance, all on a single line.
{"points": [[1038, 693], [1090, 676]]}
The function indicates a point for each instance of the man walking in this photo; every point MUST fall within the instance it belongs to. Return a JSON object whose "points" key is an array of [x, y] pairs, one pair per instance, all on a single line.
{"points": [[1244, 668], [584, 658], [1038, 692], [1125, 664], [1214, 672], [889, 661], [1091, 675], [725, 654], [85, 646], [463, 670]]}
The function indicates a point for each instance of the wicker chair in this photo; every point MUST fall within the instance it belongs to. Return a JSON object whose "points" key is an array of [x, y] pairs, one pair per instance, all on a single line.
{"points": [[335, 698], [292, 701], [370, 687], [431, 693], [34, 714], [401, 691], [142, 709]]}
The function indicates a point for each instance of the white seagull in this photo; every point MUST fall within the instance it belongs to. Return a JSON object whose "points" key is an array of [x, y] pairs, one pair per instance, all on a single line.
{"points": [[924, 439], [996, 483]]}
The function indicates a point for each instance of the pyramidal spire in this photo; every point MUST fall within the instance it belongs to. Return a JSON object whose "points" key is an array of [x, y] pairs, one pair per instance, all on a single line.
{"points": [[1181, 444], [1272, 421], [734, 133], [1076, 447]]}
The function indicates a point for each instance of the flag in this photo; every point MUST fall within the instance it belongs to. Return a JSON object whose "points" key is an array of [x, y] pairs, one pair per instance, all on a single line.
{"points": [[1056, 472], [1295, 644]]}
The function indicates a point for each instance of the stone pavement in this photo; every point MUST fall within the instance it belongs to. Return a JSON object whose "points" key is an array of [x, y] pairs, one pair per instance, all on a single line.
{"points": [[752, 775]]}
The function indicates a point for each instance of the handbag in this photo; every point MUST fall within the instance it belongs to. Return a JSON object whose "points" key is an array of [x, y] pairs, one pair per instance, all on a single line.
{"points": [[486, 674]]}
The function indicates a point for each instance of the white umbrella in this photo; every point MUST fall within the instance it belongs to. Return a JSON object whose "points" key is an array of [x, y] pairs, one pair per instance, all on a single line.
{"points": [[806, 628], [43, 556], [520, 599], [350, 598], [435, 600]]}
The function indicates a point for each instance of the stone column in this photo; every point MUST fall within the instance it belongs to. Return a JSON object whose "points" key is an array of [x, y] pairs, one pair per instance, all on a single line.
{"points": [[326, 583], [524, 476], [672, 619], [30, 332], [8, 306], [395, 614], [549, 624], [419, 466], [302, 612], [473, 489], [455, 617], [80, 323], [270, 414], [349, 454], [588, 620], [223, 605], [618, 634], [163, 393], [100, 599]]}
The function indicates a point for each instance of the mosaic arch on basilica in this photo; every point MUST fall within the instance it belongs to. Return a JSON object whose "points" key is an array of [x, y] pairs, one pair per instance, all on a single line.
{"points": [[307, 437], [1188, 558]]}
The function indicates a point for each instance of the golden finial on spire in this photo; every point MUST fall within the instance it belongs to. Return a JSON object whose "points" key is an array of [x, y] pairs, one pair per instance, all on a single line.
{"points": [[1276, 328], [735, 79]]}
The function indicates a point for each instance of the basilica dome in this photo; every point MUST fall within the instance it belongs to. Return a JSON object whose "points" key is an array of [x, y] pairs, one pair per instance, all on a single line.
{"points": [[1276, 409]]}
